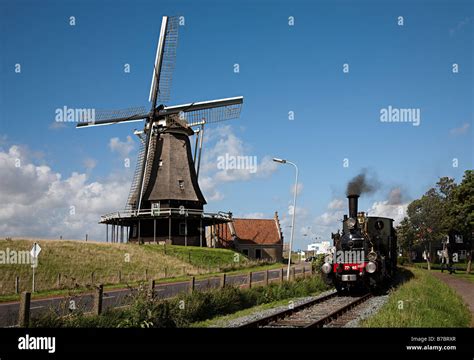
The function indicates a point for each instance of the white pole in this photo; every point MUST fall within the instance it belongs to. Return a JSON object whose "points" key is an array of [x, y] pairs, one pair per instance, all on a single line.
{"points": [[33, 285], [292, 220], [35, 259]]}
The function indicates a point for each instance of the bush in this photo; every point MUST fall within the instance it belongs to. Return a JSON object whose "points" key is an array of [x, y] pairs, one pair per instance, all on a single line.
{"points": [[403, 260], [316, 264], [186, 308]]}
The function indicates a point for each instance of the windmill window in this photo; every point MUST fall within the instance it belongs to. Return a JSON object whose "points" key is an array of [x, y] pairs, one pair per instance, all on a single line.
{"points": [[181, 184], [182, 229]]}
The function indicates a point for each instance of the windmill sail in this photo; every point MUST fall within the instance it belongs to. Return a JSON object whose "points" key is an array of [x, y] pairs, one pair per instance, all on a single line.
{"points": [[132, 197], [109, 117], [164, 61], [207, 112]]}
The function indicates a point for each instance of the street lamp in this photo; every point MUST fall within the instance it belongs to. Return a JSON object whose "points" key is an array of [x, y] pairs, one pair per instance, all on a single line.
{"points": [[283, 161]]}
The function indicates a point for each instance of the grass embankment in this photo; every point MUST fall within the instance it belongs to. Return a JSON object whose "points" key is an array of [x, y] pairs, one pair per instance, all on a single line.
{"points": [[185, 309], [423, 301], [459, 268], [82, 264]]}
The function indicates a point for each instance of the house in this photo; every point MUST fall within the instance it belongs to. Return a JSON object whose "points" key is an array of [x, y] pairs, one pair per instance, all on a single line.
{"points": [[255, 238], [322, 247]]}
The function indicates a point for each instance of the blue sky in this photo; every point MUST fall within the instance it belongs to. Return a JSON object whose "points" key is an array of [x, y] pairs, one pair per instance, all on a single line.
{"points": [[282, 68]]}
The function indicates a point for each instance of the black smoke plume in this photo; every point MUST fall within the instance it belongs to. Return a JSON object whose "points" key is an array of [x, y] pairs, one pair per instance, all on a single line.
{"points": [[362, 184]]}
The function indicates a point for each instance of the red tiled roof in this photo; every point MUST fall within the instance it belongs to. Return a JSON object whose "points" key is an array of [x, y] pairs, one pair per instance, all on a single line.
{"points": [[255, 231]]}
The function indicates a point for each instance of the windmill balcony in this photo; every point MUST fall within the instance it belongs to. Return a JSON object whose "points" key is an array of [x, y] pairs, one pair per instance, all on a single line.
{"points": [[115, 216]]}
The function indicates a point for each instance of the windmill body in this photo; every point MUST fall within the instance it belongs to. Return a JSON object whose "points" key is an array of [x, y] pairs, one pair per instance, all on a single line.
{"points": [[165, 203]]}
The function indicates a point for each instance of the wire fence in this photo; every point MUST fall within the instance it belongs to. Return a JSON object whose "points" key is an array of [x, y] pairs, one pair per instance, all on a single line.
{"points": [[49, 280]]}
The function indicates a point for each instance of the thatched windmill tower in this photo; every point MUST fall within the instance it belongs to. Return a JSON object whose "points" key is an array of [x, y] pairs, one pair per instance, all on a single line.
{"points": [[165, 201]]}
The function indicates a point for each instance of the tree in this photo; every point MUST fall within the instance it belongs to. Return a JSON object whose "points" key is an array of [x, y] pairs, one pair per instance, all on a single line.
{"points": [[461, 211], [406, 236], [428, 214], [445, 208]]}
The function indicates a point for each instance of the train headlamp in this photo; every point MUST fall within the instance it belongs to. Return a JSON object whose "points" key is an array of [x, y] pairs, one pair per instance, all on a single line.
{"points": [[326, 268], [372, 256], [351, 223], [371, 267]]}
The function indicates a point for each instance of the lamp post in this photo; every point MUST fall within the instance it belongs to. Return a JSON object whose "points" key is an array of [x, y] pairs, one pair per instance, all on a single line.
{"points": [[282, 161]]}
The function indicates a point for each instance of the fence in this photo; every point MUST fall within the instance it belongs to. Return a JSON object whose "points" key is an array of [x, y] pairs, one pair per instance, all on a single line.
{"points": [[65, 281], [47, 280], [193, 284]]}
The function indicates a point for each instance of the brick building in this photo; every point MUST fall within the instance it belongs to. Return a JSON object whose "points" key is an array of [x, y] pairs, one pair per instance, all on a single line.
{"points": [[255, 238]]}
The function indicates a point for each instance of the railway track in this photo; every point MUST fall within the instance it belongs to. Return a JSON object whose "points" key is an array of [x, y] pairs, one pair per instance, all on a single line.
{"points": [[330, 310]]}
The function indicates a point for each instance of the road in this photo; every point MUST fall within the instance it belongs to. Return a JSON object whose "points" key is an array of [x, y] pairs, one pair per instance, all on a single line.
{"points": [[120, 297]]}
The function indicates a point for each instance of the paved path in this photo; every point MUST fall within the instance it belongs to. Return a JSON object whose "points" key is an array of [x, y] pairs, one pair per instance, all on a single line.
{"points": [[464, 288]]}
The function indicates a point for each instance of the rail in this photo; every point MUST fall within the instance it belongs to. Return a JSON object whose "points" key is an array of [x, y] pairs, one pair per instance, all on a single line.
{"points": [[287, 313]]}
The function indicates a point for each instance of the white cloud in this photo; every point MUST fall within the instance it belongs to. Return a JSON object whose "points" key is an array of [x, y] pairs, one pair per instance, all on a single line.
{"points": [[254, 215], [220, 143], [38, 202], [299, 187], [208, 187], [336, 204], [123, 148], [89, 163], [460, 25], [56, 125], [385, 209], [330, 218], [464, 128]]}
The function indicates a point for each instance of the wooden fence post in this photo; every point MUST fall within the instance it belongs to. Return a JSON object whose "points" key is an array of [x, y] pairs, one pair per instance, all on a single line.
{"points": [[281, 275], [146, 274], [17, 285], [151, 289], [292, 274], [58, 280], [223, 281], [92, 278], [119, 277], [265, 277], [192, 284], [166, 272], [24, 311], [249, 279], [98, 297], [304, 272]]}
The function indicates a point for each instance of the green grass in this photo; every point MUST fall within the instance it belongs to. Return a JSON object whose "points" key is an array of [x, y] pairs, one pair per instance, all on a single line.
{"points": [[465, 276], [185, 309], [79, 290], [423, 301], [77, 260], [461, 274], [437, 266], [200, 257], [220, 321]]}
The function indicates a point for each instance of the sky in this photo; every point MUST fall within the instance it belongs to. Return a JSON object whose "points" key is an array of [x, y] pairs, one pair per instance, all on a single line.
{"points": [[316, 77]]}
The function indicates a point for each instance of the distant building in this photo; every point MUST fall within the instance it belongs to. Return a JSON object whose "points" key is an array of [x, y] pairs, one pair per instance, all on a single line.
{"points": [[255, 238], [319, 248]]}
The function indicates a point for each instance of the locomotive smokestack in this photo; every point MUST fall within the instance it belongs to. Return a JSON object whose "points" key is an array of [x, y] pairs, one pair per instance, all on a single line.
{"points": [[353, 203]]}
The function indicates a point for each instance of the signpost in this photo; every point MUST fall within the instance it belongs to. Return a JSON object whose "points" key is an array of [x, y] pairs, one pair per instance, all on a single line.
{"points": [[35, 250]]}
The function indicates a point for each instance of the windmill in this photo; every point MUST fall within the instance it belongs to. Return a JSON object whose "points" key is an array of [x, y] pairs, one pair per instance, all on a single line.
{"points": [[165, 202]]}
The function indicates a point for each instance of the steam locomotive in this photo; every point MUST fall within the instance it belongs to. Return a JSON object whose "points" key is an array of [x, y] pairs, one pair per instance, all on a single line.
{"points": [[364, 254]]}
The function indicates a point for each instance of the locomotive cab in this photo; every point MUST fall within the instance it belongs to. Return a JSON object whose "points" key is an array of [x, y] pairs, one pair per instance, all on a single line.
{"points": [[364, 253]]}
